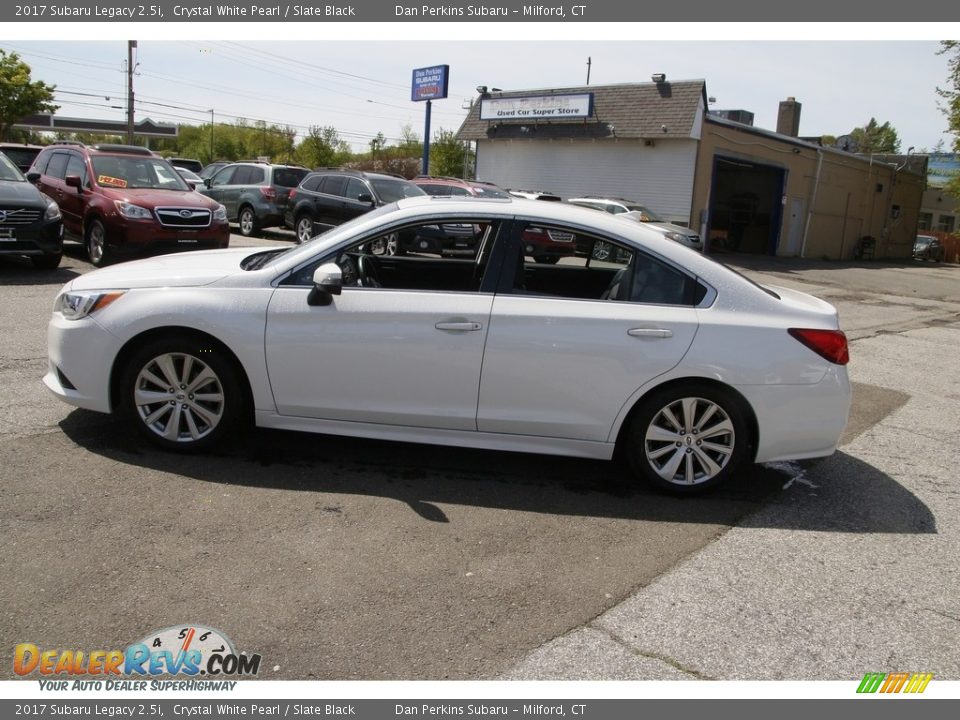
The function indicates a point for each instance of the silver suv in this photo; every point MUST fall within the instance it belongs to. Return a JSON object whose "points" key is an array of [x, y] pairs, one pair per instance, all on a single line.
{"points": [[640, 213]]}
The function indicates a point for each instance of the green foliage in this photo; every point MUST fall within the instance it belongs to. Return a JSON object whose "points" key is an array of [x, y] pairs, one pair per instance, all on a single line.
{"points": [[874, 138], [448, 155], [323, 147], [951, 95], [19, 95]]}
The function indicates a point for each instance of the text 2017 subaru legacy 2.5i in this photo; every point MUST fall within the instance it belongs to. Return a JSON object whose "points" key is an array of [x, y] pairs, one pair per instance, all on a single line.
{"points": [[686, 367]]}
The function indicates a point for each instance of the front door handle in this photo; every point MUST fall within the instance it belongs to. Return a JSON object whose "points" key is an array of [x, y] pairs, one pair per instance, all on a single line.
{"points": [[459, 326], [650, 333]]}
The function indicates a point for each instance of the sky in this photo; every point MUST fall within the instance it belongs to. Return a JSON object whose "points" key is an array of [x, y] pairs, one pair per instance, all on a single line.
{"points": [[362, 87]]}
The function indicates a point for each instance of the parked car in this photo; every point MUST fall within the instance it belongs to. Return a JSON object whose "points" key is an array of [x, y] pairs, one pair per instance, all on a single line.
{"points": [[123, 201], [928, 247], [455, 187], [189, 163], [641, 213], [684, 366], [458, 239], [30, 222], [255, 194], [535, 195], [191, 178], [22, 155], [210, 170], [546, 245], [331, 197]]}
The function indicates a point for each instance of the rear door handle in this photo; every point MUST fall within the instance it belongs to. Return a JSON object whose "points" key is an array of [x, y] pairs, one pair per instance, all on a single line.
{"points": [[650, 333], [459, 326]]}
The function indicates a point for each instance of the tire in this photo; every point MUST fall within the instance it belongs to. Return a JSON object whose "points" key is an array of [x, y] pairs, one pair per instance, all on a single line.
{"points": [[46, 262], [670, 455], [98, 251], [248, 221], [303, 228], [156, 397]]}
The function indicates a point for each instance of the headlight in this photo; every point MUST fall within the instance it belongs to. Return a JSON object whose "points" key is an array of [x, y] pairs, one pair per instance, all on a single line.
{"points": [[134, 212], [220, 213], [78, 304], [52, 212], [677, 237]]}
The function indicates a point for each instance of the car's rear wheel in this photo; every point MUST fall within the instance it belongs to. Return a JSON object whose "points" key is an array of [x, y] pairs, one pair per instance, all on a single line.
{"points": [[46, 262], [182, 394], [687, 439], [249, 225], [304, 228], [97, 250], [601, 250]]}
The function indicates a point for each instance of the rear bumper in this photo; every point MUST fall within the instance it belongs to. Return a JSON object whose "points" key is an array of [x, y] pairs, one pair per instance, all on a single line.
{"points": [[797, 422]]}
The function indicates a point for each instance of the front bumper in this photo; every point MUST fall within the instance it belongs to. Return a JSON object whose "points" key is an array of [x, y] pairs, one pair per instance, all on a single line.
{"points": [[80, 356], [41, 238]]}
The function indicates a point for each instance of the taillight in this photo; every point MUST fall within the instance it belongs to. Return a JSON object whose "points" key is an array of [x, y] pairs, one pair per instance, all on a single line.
{"points": [[293, 194], [828, 344], [268, 192]]}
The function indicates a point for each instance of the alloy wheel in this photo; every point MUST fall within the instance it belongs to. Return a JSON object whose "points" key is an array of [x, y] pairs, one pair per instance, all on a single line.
{"points": [[689, 441], [179, 397]]}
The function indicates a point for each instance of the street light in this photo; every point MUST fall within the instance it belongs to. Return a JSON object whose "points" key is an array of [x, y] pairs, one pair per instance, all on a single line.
{"points": [[211, 134]]}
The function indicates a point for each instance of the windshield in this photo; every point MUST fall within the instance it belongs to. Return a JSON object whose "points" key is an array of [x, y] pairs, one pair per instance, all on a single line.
{"points": [[923, 240], [648, 214], [490, 192], [393, 190], [9, 171], [134, 173]]}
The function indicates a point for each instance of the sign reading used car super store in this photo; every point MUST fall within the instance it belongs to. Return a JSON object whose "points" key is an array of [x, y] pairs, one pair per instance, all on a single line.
{"points": [[538, 107]]}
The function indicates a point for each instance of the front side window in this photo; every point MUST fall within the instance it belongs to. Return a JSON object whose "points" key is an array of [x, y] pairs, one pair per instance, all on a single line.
{"points": [[58, 165], [223, 177], [76, 166], [443, 255], [356, 188]]}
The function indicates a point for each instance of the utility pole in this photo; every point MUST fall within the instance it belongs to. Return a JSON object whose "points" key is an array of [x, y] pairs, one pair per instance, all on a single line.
{"points": [[588, 69], [211, 134], [131, 44]]}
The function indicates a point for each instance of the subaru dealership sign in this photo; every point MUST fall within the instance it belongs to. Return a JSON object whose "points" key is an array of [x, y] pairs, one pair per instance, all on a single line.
{"points": [[430, 83]]}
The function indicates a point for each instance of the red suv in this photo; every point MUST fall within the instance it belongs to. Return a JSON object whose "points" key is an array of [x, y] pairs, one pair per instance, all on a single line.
{"points": [[123, 201]]}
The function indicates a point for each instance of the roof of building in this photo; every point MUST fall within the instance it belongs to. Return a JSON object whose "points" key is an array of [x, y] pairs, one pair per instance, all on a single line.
{"points": [[629, 110]]}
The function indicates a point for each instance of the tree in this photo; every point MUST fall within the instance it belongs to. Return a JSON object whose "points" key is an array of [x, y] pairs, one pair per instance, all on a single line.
{"points": [[323, 147], [952, 97], [873, 138], [19, 96], [448, 156]]}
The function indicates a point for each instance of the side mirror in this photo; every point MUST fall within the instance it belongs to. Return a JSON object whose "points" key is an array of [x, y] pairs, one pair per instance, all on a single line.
{"points": [[327, 282], [365, 198], [73, 181], [33, 176], [206, 182]]}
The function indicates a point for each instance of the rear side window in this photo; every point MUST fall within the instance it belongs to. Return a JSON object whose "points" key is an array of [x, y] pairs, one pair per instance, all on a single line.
{"points": [[312, 183], [288, 177]]}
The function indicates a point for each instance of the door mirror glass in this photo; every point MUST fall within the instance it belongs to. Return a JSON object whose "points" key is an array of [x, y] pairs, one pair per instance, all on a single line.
{"points": [[365, 198]]}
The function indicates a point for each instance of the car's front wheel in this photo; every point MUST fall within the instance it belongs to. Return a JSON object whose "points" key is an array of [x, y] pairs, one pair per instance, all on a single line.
{"points": [[688, 439], [97, 250], [182, 394], [46, 262]]}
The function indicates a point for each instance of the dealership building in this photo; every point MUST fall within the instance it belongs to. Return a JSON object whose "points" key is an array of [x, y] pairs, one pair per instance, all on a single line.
{"points": [[743, 188]]}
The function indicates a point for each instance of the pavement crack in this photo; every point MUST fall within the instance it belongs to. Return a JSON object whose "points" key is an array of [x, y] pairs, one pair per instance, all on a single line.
{"points": [[946, 615], [676, 664]]}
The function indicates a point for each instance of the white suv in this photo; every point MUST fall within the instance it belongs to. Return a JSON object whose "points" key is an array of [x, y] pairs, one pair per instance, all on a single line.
{"points": [[639, 213]]}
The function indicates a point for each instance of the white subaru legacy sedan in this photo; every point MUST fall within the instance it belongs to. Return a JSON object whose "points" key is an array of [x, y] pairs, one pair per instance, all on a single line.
{"points": [[684, 366]]}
